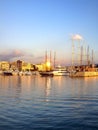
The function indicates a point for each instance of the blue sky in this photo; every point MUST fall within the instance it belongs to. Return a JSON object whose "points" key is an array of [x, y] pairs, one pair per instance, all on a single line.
{"points": [[30, 27]]}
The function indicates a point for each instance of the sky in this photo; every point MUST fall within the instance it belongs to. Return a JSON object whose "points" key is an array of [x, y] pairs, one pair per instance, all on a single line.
{"points": [[30, 27]]}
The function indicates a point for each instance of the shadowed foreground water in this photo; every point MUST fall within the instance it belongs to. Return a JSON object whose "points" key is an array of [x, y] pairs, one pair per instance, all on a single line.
{"points": [[48, 103]]}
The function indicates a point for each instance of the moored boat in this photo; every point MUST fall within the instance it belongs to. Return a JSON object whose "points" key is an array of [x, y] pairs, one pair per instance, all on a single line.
{"points": [[46, 73], [60, 72], [7, 73], [85, 73]]}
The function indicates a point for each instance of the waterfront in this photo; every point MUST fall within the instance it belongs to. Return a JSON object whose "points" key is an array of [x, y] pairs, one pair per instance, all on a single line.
{"points": [[44, 103]]}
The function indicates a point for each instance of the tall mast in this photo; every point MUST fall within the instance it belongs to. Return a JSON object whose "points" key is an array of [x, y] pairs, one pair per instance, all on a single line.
{"points": [[85, 55], [92, 57], [45, 56], [79, 53], [50, 56], [88, 56], [72, 53], [81, 57], [54, 58]]}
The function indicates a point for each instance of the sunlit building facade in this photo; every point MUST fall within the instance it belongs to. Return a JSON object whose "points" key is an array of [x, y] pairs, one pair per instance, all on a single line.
{"points": [[4, 65], [19, 65]]}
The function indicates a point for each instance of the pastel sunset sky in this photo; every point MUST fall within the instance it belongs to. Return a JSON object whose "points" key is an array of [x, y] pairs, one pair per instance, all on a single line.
{"points": [[30, 27]]}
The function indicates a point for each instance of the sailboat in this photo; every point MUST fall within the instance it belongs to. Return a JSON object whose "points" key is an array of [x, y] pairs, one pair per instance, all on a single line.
{"points": [[48, 71], [87, 70]]}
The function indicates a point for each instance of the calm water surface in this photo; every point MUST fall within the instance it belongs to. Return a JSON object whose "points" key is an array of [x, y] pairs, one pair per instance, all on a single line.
{"points": [[48, 103]]}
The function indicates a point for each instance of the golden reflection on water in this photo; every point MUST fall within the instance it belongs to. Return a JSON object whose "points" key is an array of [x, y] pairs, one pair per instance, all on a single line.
{"points": [[36, 99], [48, 86], [84, 86]]}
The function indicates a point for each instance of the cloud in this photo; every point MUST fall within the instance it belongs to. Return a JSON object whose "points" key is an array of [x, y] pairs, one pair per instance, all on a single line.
{"points": [[77, 37], [9, 55], [38, 59], [14, 55]]}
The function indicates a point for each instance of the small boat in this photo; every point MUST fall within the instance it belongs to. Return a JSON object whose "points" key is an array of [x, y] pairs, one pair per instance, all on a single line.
{"points": [[27, 73], [7, 73], [15, 72], [46, 73]]}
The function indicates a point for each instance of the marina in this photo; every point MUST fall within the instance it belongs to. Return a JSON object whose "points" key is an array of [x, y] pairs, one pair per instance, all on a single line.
{"points": [[48, 65]]}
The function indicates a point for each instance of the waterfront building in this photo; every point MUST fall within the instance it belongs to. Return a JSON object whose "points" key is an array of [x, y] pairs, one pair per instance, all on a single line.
{"points": [[41, 67], [19, 65], [4, 65], [13, 66], [26, 66], [0, 65]]}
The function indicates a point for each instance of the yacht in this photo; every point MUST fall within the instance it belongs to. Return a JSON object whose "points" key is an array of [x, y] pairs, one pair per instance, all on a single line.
{"points": [[60, 72]]}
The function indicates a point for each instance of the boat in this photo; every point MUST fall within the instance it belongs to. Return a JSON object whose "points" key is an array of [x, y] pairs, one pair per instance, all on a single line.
{"points": [[7, 73], [28, 73], [15, 73], [46, 73], [85, 73], [60, 72]]}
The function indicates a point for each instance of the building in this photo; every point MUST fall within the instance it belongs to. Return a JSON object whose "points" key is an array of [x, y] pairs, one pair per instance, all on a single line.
{"points": [[44, 67], [19, 65], [26, 66], [4, 65]]}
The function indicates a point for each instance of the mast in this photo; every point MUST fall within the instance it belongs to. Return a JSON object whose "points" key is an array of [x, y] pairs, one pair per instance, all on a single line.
{"points": [[92, 57], [50, 57], [79, 53], [54, 58], [88, 56], [45, 56], [81, 57], [72, 53]]}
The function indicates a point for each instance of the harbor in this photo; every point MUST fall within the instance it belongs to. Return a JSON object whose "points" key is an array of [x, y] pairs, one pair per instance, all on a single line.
{"points": [[48, 65]]}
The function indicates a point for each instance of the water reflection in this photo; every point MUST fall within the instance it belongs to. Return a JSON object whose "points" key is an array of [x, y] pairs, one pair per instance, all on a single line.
{"points": [[83, 86], [48, 85], [27, 101], [18, 84]]}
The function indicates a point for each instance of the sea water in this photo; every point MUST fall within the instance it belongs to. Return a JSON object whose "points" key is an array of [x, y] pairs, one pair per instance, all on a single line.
{"points": [[48, 103]]}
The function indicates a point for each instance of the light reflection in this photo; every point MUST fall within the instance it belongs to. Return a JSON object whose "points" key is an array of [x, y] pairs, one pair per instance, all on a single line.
{"points": [[83, 86], [47, 88], [58, 80]]}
